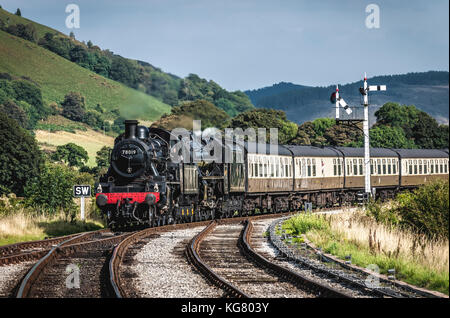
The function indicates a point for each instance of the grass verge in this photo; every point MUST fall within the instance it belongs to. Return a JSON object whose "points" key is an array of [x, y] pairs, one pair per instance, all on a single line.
{"points": [[417, 260], [23, 226]]}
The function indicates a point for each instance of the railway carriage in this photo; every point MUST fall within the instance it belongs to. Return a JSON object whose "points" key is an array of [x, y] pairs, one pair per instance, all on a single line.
{"points": [[420, 166], [143, 186]]}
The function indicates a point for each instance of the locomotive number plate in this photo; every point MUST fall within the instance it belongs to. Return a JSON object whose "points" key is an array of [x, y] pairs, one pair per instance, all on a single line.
{"points": [[129, 152]]}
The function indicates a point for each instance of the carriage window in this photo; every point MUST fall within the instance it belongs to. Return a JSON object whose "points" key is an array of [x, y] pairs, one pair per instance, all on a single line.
{"points": [[378, 166], [415, 166], [261, 171], [361, 167], [299, 168], [394, 166], [309, 167], [410, 167], [340, 166], [436, 166], [371, 166], [446, 167], [314, 167], [272, 168], [420, 166], [291, 172], [384, 166], [334, 167], [425, 170], [349, 172], [389, 166], [441, 166]]}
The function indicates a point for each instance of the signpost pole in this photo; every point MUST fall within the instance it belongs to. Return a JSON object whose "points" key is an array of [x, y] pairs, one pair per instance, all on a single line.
{"points": [[82, 208]]}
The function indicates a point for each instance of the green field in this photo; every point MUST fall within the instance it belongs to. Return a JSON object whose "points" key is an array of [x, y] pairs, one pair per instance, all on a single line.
{"points": [[57, 76]]}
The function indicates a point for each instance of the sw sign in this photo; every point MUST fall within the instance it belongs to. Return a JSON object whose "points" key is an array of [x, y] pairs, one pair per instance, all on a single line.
{"points": [[80, 191]]}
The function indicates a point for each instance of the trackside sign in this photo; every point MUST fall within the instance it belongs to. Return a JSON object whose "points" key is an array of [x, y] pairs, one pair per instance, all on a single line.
{"points": [[81, 191]]}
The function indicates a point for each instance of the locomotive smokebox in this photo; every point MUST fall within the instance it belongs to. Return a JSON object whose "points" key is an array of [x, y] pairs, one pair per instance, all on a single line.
{"points": [[130, 129]]}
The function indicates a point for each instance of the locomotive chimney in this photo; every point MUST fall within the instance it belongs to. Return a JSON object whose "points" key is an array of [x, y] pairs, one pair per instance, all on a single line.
{"points": [[130, 129]]}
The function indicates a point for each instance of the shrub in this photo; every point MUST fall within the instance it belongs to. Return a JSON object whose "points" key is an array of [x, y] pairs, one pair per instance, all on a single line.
{"points": [[51, 191], [425, 210]]}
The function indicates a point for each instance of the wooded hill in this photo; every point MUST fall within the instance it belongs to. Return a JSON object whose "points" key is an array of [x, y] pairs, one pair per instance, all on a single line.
{"points": [[428, 91]]}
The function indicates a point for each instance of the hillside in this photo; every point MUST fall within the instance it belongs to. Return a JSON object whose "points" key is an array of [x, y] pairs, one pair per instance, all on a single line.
{"points": [[11, 18], [143, 76], [57, 76], [429, 91]]}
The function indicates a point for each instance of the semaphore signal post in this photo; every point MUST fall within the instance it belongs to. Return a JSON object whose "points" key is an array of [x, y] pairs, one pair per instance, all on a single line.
{"points": [[335, 97]]}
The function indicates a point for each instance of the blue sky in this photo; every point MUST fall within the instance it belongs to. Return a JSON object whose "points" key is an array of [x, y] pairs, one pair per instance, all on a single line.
{"points": [[248, 44]]}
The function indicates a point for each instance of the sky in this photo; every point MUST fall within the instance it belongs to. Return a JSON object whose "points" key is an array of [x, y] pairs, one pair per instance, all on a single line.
{"points": [[249, 44]]}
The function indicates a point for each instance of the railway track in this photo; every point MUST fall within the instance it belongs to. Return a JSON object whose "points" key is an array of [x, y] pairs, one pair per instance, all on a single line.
{"points": [[34, 250], [343, 272], [88, 252], [224, 255]]}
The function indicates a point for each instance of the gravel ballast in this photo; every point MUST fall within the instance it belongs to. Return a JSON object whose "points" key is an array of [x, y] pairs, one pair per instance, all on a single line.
{"points": [[160, 269]]}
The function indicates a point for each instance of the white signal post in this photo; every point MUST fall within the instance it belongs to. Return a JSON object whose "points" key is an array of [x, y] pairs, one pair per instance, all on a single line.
{"points": [[337, 102], [365, 93], [341, 102]]}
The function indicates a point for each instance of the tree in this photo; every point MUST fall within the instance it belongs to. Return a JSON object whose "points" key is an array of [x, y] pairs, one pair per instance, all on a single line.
{"points": [[14, 111], [20, 157], [426, 131], [71, 154], [74, 106], [343, 135], [31, 94], [123, 70], [103, 157], [420, 129], [72, 35], [52, 189], [18, 13], [389, 137], [183, 115], [267, 118]]}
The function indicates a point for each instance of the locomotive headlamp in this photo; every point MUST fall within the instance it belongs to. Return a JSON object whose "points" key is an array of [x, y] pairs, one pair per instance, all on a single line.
{"points": [[102, 200], [150, 199]]}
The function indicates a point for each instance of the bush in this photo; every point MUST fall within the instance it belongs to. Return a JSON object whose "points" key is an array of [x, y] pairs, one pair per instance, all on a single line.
{"points": [[425, 210], [52, 190], [27, 32]]}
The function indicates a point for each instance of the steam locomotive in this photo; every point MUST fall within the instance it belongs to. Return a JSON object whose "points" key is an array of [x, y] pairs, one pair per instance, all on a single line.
{"points": [[145, 186]]}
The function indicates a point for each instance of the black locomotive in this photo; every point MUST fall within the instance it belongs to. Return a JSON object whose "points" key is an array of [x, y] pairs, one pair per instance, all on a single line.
{"points": [[145, 186]]}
